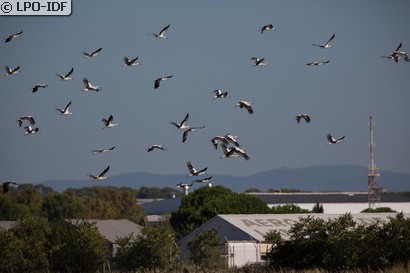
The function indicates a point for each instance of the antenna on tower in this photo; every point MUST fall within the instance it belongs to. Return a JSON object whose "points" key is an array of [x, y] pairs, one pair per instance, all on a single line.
{"points": [[374, 189]]}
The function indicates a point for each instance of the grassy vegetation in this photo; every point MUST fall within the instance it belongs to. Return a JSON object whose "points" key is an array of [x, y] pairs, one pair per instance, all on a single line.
{"points": [[262, 269]]}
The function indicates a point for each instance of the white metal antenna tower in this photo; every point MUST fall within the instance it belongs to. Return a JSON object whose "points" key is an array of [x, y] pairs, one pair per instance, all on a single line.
{"points": [[373, 175]]}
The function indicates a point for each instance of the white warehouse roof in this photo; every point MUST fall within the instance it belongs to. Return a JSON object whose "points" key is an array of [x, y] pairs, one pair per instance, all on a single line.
{"points": [[245, 227]]}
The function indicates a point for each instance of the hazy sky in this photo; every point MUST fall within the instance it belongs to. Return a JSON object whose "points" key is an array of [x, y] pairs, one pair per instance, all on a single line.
{"points": [[209, 47]]}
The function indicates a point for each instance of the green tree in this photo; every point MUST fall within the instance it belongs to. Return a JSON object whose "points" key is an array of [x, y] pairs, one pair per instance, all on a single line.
{"points": [[206, 251], [10, 210], [317, 208], [206, 202], [288, 209], [154, 249], [63, 206], [28, 195], [36, 245], [77, 247], [397, 240], [341, 245], [109, 203], [377, 210], [273, 238], [341, 251], [252, 190], [372, 248], [129, 208], [155, 192], [24, 248]]}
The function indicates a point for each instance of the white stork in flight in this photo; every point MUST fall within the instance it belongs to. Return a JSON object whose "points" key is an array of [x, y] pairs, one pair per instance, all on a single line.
{"points": [[327, 44], [101, 176], [333, 140]]}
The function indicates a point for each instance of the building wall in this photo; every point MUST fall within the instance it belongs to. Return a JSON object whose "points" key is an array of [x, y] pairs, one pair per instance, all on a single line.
{"points": [[241, 253], [226, 232]]}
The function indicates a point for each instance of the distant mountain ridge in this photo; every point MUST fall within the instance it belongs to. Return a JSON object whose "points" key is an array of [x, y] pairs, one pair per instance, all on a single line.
{"points": [[313, 178]]}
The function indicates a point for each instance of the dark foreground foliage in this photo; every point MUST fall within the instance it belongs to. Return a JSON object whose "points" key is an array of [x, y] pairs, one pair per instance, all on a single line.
{"points": [[342, 245], [36, 245]]}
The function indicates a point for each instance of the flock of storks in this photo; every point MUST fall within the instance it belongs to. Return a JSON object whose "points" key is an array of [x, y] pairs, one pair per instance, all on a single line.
{"points": [[228, 143]]}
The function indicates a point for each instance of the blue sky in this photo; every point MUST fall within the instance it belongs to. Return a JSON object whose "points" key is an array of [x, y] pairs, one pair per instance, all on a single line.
{"points": [[209, 47]]}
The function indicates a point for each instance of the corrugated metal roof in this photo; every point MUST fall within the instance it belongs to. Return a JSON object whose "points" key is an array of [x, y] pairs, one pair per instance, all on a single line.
{"points": [[112, 229], [255, 226]]}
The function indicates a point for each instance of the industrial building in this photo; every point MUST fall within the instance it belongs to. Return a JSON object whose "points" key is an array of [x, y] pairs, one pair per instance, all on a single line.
{"points": [[336, 202], [332, 202], [241, 235]]}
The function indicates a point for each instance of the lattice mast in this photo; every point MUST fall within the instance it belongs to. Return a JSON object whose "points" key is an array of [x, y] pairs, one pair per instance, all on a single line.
{"points": [[374, 190]]}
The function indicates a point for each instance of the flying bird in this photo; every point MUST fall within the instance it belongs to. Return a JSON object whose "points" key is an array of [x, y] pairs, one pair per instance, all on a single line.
{"points": [[229, 152], [241, 152], [89, 87], [267, 28], [156, 146], [157, 82], [183, 124], [161, 34], [232, 139], [67, 76], [219, 94], [132, 62], [101, 176], [193, 171], [258, 61], [401, 54], [191, 129], [35, 88], [92, 54], [203, 180], [102, 150], [217, 139], [12, 36], [306, 117], [30, 130], [28, 118], [245, 104], [184, 185], [65, 110], [10, 71], [6, 185], [327, 44], [393, 57], [398, 54], [109, 122], [317, 63], [333, 140], [185, 134]]}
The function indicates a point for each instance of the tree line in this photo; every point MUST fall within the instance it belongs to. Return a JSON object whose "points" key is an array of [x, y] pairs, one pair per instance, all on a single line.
{"points": [[342, 245], [336, 245], [43, 241], [85, 203]]}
